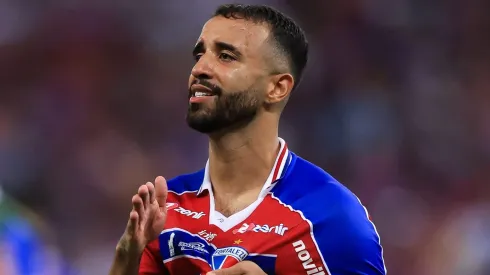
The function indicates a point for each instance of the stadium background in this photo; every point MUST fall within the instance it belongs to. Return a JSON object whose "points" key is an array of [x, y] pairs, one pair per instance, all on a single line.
{"points": [[395, 103]]}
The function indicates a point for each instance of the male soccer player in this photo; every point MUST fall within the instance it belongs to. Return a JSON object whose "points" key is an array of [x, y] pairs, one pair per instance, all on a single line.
{"points": [[256, 207]]}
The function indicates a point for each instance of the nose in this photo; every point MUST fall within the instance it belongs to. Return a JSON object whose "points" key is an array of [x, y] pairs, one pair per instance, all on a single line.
{"points": [[203, 69]]}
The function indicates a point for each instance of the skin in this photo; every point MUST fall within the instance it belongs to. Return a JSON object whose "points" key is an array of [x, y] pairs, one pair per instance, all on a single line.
{"points": [[241, 153], [241, 159]]}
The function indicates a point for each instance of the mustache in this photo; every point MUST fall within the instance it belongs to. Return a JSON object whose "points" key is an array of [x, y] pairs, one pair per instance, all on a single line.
{"points": [[215, 89]]}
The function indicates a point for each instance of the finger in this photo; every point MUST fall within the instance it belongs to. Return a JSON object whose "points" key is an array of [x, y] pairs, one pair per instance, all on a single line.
{"points": [[138, 207], [151, 191], [132, 222], [144, 194], [161, 191]]}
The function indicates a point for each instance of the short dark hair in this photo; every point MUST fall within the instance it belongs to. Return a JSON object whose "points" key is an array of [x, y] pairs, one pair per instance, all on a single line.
{"points": [[290, 38]]}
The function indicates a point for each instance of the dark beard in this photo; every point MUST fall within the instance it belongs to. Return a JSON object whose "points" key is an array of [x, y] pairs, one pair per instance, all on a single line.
{"points": [[229, 111]]}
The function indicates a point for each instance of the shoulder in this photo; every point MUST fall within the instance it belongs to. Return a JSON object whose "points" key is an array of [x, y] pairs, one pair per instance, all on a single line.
{"points": [[335, 218], [186, 183], [310, 189]]}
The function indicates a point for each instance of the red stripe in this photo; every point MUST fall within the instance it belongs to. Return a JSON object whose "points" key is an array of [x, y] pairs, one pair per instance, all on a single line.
{"points": [[279, 161]]}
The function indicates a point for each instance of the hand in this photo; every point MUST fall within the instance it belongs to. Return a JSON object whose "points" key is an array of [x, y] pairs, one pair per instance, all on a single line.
{"points": [[241, 268], [147, 218]]}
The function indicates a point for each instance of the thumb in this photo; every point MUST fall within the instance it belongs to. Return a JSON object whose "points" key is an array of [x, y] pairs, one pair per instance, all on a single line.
{"points": [[234, 270], [161, 191]]}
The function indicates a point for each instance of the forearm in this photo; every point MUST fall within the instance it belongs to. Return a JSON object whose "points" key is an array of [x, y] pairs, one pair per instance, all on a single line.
{"points": [[125, 263]]}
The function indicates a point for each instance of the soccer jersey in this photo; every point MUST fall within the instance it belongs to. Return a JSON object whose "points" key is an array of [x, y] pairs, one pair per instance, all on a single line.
{"points": [[303, 222]]}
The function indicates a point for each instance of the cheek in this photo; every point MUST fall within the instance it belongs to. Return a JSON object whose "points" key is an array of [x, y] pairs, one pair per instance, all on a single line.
{"points": [[236, 79], [230, 73]]}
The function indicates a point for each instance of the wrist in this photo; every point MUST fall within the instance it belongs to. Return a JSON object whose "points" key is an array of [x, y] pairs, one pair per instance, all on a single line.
{"points": [[127, 253]]}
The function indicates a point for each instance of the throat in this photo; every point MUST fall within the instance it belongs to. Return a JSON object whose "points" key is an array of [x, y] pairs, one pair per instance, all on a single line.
{"points": [[237, 187], [228, 205], [238, 170], [228, 210]]}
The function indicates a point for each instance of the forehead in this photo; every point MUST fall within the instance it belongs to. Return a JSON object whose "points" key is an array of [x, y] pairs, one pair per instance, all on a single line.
{"points": [[246, 35]]}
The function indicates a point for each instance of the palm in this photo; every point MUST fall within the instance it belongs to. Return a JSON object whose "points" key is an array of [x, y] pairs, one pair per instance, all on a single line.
{"points": [[156, 221], [148, 216]]}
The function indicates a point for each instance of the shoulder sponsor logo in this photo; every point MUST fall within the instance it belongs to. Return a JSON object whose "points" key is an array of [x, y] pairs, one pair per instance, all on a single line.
{"points": [[278, 229], [175, 207], [305, 258], [228, 257]]}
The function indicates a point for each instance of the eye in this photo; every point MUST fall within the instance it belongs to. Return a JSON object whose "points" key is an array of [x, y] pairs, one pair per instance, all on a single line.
{"points": [[226, 57], [197, 57]]}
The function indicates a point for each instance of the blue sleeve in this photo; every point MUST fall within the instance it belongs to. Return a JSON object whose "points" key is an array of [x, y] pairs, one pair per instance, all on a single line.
{"points": [[346, 238], [337, 236]]}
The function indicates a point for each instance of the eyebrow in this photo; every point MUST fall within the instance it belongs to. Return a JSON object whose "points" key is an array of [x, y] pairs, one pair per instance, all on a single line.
{"points": [[221, 46], [198, 48]]}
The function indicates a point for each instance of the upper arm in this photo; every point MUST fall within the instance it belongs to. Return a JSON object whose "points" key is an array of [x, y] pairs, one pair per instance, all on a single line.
{"points": [[338, 241], [151, 261], [350, 245]]}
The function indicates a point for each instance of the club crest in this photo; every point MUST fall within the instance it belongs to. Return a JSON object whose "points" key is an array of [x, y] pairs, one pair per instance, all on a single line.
{"points": [[228, 256]]}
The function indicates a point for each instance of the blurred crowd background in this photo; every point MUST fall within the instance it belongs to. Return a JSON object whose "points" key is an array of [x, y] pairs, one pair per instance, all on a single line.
{"points": [[395, 104]]}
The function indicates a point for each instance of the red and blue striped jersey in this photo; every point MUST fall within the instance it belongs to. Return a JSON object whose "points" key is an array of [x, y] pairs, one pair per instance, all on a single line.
{"points": [[304, 222]]}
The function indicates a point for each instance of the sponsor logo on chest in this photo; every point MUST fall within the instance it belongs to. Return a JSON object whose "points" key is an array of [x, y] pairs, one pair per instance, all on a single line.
{"points": [[278, 229], [195, 246], [171, 206], [208, 236]]}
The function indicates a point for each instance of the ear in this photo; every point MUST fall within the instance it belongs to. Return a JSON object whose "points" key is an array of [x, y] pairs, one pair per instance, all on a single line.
{"points": [[279, 88]]}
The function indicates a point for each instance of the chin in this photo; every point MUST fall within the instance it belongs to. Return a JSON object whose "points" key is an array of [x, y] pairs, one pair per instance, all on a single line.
{"points": [[216, 125], [204, 128], [219, 118], [201, 121]]}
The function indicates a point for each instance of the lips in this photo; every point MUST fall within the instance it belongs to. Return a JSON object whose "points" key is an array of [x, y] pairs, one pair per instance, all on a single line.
{"points": [[199, 90], [201, 94]]}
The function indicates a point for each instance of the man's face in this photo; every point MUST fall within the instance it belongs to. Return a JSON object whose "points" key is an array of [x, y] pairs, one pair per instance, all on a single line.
{"points": [[227, 83]]}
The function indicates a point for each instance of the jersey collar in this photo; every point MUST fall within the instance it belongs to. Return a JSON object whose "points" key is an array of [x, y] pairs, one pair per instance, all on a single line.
{"points": [[278, 171]]}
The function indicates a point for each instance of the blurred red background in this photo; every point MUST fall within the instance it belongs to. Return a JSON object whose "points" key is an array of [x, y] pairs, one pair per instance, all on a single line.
{"points": [[395, 104]]}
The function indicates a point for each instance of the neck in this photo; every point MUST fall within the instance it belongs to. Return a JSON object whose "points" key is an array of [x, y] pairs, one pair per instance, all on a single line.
{"points": [[241, 161]]}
